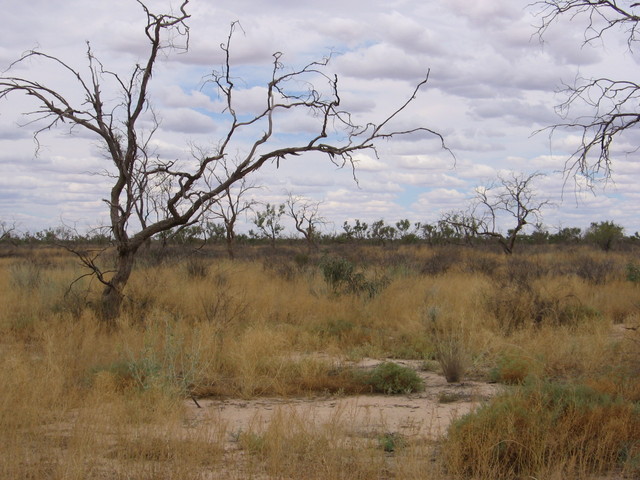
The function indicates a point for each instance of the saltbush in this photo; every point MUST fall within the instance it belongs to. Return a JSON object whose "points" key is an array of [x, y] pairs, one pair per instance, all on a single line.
{"points": [[390, 378]]}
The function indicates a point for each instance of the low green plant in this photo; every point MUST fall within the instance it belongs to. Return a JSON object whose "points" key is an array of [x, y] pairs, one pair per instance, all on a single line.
{"points": [[391, 379], [391, 441], [633, 272]]}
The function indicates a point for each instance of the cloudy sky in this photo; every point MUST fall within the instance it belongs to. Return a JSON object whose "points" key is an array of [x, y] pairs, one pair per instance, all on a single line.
{"points": [[492, 85]]}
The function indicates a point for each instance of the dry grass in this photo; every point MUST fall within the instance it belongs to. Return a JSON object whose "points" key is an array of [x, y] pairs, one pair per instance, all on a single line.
{"points": [[78, 402]]}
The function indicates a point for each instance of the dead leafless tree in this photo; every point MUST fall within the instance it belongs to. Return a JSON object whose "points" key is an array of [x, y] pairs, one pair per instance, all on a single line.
{"points": [[180, 191], [306, 218], [232, 203], [613, 103], [511, 198], [7, 231]]}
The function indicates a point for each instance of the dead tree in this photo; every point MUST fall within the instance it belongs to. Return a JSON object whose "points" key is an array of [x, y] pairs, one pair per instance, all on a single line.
{"points": [[181, 190], [231, 203], [306, 218], [510, 199], [613, 102], [7, 231]]}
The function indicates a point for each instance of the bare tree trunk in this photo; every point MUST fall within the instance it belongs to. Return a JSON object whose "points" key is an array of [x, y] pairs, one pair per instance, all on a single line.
{"points": [[231, 240], [112, 296]]}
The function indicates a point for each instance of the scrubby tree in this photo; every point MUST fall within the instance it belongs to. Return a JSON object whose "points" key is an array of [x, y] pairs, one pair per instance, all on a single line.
{"points": [[358, 231], [614, 103], [151, 194], [440, 232], [509, 200], [458, 227], [604, 234], [403, 228], [540, 234], [381, 232], [268, 222], [214, 231], [566, 235]]}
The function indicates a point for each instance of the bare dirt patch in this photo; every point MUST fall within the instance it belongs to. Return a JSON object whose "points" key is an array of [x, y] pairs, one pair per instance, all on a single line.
{"points": [[426, 414]]}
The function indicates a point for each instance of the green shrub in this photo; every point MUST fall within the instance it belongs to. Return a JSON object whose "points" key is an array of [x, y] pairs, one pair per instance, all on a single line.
{"points": [[390, 378], [342, 278], [633, 272], [337, 272], [390, 442], [604, 234]]}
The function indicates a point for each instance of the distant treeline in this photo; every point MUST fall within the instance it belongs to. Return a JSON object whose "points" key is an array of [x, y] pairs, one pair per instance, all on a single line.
{"points": [[605, 235]]}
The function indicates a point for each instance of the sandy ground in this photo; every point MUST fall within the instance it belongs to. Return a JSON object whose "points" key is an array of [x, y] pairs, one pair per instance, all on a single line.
{"points": [[426, 414]]}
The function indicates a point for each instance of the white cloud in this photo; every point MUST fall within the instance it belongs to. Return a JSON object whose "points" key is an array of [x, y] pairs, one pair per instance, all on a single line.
{"points": [[381, 61], [491, 85], [184, 120], [367, 163]]}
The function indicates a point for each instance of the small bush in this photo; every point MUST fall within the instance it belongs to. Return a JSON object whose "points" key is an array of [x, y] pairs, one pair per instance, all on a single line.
{"points": [[512, 370], [337, 272], [517, 306], [451, 397], [521, 271], [633, 272], [545, 427], [342, 278], [282, 267], [301, 260], [486, 265], [440, 262], [337, 328], [390, 378], [391, 441], [596, 272]]}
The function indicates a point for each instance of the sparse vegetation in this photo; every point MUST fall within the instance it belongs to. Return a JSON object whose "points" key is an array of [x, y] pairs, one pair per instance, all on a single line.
{"points": [[82, 402], [546, 426]]}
